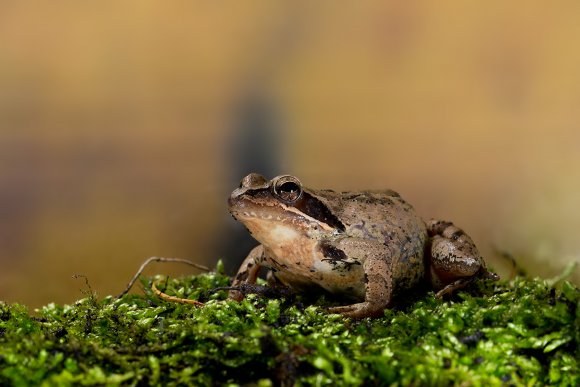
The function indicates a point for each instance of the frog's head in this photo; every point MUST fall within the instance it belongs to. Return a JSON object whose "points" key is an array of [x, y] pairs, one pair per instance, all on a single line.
{"points": [[281, 208]]}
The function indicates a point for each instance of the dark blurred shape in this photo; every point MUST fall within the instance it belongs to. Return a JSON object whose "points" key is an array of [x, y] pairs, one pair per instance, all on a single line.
{"points": [[256, 138], [256, 146]]}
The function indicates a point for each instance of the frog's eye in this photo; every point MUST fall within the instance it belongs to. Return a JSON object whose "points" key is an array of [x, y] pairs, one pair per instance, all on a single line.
{"points": [[287, 188]]}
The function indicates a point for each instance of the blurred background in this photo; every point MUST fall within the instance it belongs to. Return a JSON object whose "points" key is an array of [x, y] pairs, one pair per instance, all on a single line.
{"points": [[124, 126]]}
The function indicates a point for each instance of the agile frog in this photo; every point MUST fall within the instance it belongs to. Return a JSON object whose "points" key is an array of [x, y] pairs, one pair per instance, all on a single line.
{"points": [[369, 246]]}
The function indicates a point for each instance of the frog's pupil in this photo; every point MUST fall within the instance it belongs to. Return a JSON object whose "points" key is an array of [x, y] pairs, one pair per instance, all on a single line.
{"points": [[289, 187], [288, 191]]}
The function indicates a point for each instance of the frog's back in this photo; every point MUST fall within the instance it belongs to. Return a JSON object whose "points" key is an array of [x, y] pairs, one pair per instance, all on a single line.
{"points": [[380, 215]]}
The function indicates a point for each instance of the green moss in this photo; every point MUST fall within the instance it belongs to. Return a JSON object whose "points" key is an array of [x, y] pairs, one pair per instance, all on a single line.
{"points": [[521, 332]]}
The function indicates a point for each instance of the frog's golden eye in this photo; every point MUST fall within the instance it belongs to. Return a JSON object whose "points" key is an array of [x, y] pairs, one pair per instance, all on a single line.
{"points": [[287, 188]]}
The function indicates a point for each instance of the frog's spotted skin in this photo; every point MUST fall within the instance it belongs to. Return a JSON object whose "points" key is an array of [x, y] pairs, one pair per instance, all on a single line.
{"points": [[369, 246]]}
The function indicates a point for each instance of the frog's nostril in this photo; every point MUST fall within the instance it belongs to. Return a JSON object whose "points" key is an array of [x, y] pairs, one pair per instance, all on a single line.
{"points": [[233, 199]]}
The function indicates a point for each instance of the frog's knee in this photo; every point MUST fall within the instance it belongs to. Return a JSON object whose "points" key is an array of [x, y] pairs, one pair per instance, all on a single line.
{"points": [[454, 258]]}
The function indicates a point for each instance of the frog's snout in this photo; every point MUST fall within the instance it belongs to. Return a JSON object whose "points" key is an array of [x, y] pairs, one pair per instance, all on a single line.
{"points": [[234, 201]]}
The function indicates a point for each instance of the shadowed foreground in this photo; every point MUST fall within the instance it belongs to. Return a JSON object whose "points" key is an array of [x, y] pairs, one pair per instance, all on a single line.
{"points": [[522, 332]]}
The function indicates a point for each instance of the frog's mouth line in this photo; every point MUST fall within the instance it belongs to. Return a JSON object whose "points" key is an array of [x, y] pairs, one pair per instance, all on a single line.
{"points": [[247, 214]]}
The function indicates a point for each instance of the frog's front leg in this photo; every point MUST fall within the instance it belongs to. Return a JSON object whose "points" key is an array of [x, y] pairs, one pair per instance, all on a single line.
{"points": [[248, 271], [454, 260], [378, 278]]}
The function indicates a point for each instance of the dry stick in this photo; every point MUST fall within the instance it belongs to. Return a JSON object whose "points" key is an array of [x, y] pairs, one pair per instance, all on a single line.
{"points": [[159, 259], [167, 297]]}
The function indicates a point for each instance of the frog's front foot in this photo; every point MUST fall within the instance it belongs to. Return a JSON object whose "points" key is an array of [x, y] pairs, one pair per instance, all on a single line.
{"points": [[378, 287], [360, 310], [248, 272], [454, 260]]}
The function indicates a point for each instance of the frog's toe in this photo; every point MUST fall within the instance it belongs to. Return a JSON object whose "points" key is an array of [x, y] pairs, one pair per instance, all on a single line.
{"points": [[360, 310], [454, 286]]}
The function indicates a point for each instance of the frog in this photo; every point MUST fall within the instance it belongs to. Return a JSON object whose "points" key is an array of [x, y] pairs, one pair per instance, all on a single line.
{"points": [[366, 247]]}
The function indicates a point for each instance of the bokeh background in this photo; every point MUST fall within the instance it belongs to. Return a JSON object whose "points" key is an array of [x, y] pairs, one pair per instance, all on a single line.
{"points": [[125, 125]]}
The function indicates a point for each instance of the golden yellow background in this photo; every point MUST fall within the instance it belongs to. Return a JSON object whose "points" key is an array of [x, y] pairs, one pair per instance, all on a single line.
{"points": [[118, 121]]}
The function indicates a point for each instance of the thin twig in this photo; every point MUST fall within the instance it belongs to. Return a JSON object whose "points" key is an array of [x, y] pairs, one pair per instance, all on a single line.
{"points": [[159, 259], [515, 268]]}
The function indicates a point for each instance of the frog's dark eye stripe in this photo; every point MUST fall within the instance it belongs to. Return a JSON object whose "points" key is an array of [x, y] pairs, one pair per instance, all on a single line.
{"points": [[317, 210]]}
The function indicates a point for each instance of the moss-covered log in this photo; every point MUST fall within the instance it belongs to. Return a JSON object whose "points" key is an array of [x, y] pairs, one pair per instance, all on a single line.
{"points": [[519, 332]]}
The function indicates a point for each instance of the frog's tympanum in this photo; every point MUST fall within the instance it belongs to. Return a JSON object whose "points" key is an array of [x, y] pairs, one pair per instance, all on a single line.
{"points": [[368, 246]]}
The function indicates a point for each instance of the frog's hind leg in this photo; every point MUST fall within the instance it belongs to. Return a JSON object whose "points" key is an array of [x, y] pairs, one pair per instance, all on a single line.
{"points": [[454, 261], [248, 271]]}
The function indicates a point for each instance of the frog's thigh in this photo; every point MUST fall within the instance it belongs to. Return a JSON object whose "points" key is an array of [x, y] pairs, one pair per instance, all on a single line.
{"points": [[378, 279], [248, 271]]}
